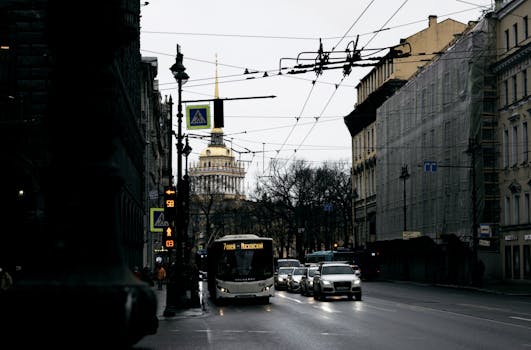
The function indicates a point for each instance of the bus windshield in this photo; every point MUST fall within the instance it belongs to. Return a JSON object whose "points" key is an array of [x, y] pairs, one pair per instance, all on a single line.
{"points": [[240, 265]]}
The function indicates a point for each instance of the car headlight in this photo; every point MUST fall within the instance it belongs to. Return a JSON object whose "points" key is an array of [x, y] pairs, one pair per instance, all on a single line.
{"points": [[311, 283], [326, 283], [356, 281]]}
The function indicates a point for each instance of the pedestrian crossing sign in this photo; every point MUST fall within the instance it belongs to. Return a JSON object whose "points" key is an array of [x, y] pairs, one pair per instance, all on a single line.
{"points": [[198, 117]]}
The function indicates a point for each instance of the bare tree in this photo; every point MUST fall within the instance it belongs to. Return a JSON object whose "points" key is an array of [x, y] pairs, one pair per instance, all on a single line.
{"points": [[310, 206]]}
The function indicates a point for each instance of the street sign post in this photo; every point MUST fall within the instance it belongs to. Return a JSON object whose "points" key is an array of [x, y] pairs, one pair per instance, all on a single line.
{"points": [[198, 117], [157, 220]]}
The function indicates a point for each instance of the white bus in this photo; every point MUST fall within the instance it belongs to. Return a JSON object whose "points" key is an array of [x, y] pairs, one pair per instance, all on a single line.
{"points": [[241, 266]]}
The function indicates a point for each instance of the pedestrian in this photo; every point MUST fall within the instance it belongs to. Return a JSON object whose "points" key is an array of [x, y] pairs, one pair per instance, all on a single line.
{"points": [[161, 276], [137, 273], [6, 281], [146, 276]]}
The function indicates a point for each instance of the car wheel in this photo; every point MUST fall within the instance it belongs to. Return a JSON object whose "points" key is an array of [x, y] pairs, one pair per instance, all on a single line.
{"points": [[315, 295], [358, 296], [350, 297]]}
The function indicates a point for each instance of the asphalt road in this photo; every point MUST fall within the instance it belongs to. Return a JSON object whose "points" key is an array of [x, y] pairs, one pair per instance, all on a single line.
{"points": [[390, 316]]}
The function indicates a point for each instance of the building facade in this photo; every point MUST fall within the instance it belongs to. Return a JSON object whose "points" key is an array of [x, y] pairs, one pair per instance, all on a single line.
{"points": [[72, 146], [217, 170], [513, 68], [383, 80]]}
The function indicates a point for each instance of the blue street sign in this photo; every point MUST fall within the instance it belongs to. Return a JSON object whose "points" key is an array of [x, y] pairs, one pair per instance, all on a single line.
{"points": [[430, 166], [198, 117]]}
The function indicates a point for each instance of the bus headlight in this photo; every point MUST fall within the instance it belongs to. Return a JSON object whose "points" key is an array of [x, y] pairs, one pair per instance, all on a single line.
{"points": [[223, 290]]}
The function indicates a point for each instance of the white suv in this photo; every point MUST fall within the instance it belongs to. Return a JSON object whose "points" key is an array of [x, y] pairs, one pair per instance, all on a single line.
{"points": [[336, 279]]}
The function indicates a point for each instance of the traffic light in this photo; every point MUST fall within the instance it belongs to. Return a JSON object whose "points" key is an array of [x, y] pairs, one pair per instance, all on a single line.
{"points": [[168, 237], [218, 113], [170, 204]]}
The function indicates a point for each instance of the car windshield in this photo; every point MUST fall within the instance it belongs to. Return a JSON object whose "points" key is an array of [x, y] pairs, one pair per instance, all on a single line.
{"points": [[299, 271], [336, 270], [311, 272], [285, 270]]}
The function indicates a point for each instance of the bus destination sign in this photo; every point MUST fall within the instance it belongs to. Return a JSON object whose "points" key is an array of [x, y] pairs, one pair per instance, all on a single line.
{"points": [[243, 246]]}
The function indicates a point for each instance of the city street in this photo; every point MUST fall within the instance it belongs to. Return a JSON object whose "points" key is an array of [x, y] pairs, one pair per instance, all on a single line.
{"points": [[390, 316]]}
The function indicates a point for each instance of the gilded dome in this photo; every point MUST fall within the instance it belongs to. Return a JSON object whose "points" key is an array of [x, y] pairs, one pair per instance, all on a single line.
{"points": [[216, 151]]}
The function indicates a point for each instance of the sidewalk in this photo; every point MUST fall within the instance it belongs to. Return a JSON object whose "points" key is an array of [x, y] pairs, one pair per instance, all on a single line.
{"points": [[520, 288], [185, 312]]}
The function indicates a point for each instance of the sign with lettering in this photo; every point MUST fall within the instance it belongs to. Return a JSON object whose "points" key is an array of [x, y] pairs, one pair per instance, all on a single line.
{"points": [[243, 246]]}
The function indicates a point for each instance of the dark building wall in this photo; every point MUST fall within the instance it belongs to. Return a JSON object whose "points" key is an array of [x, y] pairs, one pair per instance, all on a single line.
{"points": [[70, 129]]}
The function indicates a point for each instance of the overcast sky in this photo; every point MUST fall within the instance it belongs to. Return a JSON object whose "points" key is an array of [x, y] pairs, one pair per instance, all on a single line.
{"points": [[305, 119]]}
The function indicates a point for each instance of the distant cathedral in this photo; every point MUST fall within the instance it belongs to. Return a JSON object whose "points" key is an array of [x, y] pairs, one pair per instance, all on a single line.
{"points": [[218, 172]]}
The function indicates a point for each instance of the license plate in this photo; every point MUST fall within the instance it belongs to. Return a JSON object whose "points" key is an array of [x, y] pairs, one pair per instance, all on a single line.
{"points": [[342, 288]]}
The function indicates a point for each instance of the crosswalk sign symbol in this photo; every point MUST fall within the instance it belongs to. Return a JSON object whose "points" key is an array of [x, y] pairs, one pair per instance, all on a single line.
{"points": [[198, 117]]}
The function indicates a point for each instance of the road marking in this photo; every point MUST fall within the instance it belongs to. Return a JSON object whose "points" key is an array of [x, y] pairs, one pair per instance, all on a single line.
{"points": [[289, 298], [521, 318], [483, 307], [259, 331]]}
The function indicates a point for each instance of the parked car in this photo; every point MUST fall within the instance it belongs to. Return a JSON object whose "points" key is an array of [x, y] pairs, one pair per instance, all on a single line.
{"points": [[294, 279], [357, 269], [281, 277], [287, 263], [306, 283], [336, 279]]}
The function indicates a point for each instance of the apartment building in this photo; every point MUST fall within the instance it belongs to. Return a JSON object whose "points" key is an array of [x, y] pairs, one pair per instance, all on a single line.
{"points": [[513, 69], [388, 75]]}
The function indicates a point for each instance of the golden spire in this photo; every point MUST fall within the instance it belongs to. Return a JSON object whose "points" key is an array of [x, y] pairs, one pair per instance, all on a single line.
{"points": [[216, 88]]}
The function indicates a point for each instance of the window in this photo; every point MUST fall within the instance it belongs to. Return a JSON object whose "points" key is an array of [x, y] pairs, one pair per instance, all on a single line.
{"points": [[516, 262], [506, 92], [525, 143], [524, 83], [516, 209], [527, 262], [527, 215], [506, 40], [515, 145], [506, 211], [505, 148], [515, 89], [515, 33], [508, 259], [526, 27]]}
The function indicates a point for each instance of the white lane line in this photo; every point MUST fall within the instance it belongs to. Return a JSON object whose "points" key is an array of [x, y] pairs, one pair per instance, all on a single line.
{"points": [[262, 332], [292, 299], [520, 318]]}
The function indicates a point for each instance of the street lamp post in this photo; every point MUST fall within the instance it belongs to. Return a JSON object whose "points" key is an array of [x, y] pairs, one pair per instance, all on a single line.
{"points": [[404, 175], [186, 199], [355, 241], [175, 293]]}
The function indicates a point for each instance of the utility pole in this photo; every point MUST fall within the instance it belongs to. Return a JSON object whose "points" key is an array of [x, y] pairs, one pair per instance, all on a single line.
{"points": [[175, 291], [355, 242], [404, 175]]}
